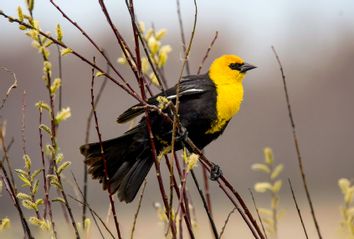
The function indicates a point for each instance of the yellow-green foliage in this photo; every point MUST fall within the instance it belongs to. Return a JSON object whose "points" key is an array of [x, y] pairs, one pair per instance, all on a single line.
{"points": [[5, 223], [347, 210], [158, 52], [273, 185]]}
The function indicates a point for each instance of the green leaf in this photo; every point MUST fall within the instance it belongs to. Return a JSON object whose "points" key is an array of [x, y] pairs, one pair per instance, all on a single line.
{"points": [[35, 174], [59, 32], [59, 158], [277, 186], [276, 172], [50, 150], [63, 166], [21, 172], [98, 74], [28, 162], [268, 155], [39, 202], [64, 114], [66, 51], [46, 129], [20, 13], [24, 179], [265, 211], [23, 196], [35, 221], [58, 199], [29, 205], [35, 187], [263, 187], [55, 86], [41, 105], [260, 167]]}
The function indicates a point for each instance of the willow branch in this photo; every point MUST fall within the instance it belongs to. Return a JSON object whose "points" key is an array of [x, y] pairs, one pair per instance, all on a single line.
{"points": [[297, 147]]}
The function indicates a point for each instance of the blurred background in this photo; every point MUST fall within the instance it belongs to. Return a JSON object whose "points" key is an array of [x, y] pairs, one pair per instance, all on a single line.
{"points": [[315, 41]]}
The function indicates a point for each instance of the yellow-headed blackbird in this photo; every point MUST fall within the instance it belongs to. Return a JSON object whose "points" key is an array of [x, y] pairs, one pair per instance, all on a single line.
{"points": [[207, 104]]}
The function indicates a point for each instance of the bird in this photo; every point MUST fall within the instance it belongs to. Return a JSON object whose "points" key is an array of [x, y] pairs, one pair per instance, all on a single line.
{"points": [[207, 102]]}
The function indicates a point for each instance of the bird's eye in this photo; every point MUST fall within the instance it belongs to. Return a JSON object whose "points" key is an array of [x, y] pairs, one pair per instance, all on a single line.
{"points": [[236, 66]]}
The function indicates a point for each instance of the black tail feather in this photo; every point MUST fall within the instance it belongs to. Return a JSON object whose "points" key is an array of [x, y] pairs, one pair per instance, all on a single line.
{"points": [[128, 163]]}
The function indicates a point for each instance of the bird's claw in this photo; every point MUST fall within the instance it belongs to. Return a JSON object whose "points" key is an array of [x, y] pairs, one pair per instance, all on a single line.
{"points": [[215, 172], [182, 135]]}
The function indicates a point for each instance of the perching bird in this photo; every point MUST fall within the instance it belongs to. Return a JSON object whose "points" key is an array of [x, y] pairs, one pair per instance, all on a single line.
{"points": [[207, 104]]}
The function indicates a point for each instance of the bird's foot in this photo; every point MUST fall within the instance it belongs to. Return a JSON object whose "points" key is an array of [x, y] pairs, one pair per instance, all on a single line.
{"points": [[182, 135], [215, 172]]}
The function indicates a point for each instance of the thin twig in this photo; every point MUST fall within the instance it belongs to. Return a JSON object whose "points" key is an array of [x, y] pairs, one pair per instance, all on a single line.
{"points": [[185, 62], [183, 206], [93, 216], [81, 57], [53, 140], [60, 69], [23, 123], [148, 123], [47, 202], [99, 49], [206, 189], [257, 211], [183, 38], [12, 86], [153, 63], [10, 188], [210, 217], [222, 181], [226, 221], [87, 136], [207, 52], [299, 158], [6, 157], [110, 195], [298, 209], [138, 210], [95, 213]]}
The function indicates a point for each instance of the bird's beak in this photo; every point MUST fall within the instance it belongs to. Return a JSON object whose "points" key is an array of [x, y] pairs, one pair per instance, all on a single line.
{"points": [[246, 67]]}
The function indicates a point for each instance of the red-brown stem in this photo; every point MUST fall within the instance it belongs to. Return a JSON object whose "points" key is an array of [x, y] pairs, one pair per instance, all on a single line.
{"points": [[23, 123], [258, 214], [185, 197], [47, 202], [297, 147], [93, 216], [183, 206], [298, 208], [205, 173], [23, 136], [100, 50], [222, 181], [94, 213], [122, 43], [238, 209], [207, 52], [87, 136], [103, 157], [148, 123], [11, 190], [81, 57], [210, 217], [206, 189]]}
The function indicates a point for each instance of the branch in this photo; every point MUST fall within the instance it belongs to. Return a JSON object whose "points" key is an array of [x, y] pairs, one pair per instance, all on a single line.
{"points": [[297, 208], [297, 147], [104, 158], [13, 86]]}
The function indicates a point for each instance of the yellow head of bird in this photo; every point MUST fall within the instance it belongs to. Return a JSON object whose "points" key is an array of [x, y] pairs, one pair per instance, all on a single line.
{"points": [[229, 68]]}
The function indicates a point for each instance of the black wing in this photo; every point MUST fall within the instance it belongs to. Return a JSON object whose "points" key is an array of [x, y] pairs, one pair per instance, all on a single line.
{"points": [[191, 85]]}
